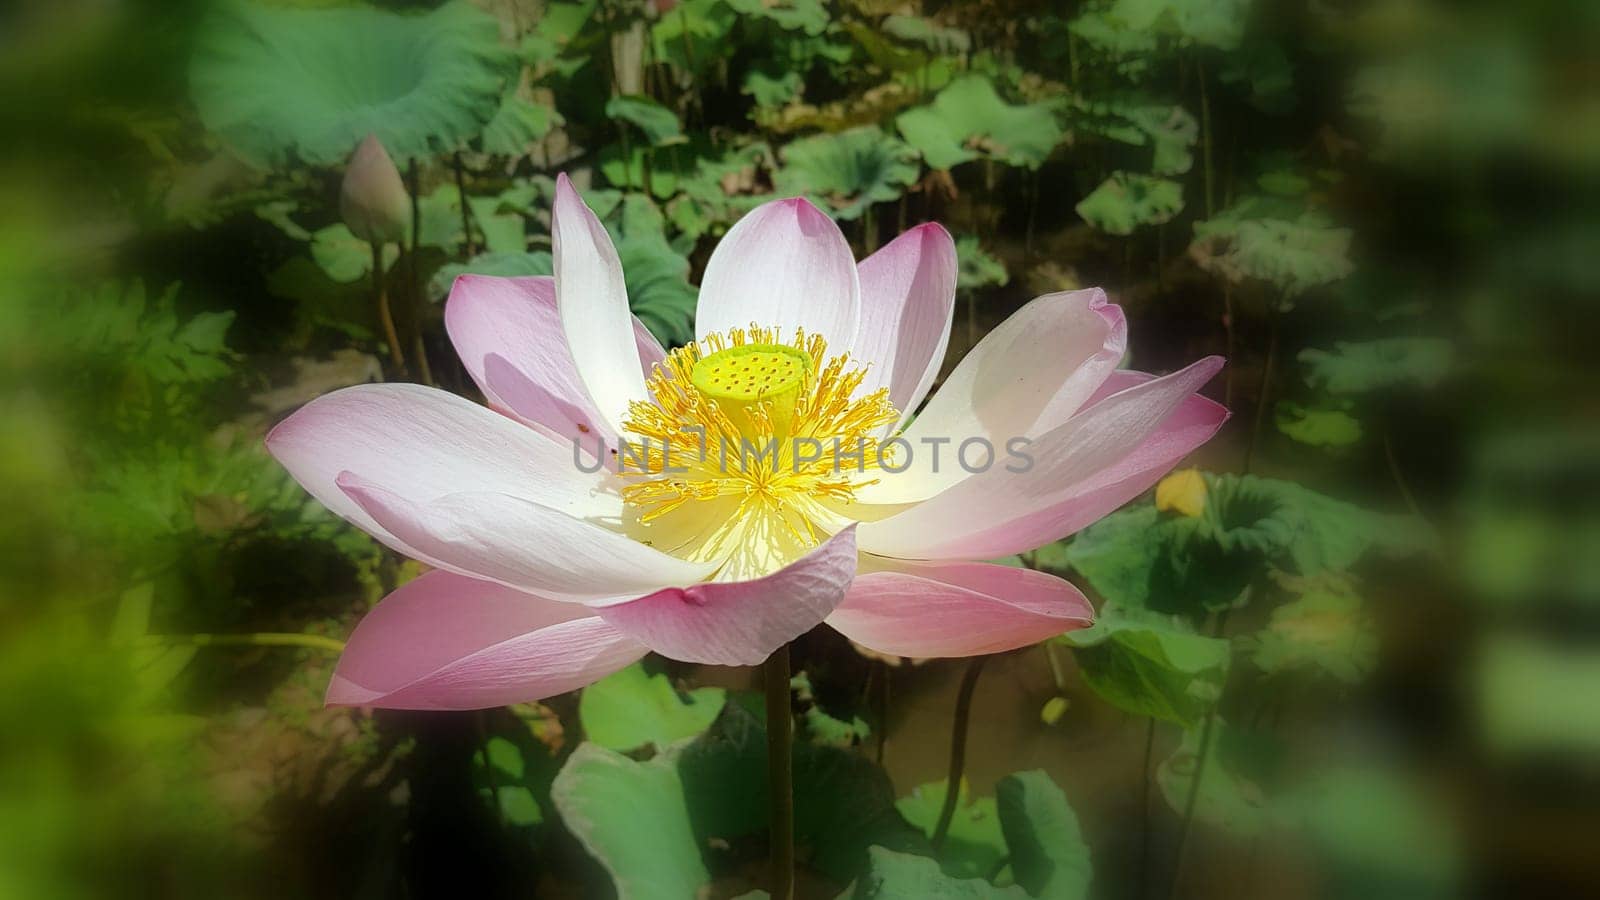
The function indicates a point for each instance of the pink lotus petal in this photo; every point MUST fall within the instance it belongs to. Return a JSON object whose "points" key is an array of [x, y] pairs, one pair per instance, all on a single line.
{"points": [[522, 544], [955, 609], [784, 265], [448, 642], [1024, 378], [434, 443], [740, 623], [908, 296], [508, 334], [593, 301], [1096, 457]]}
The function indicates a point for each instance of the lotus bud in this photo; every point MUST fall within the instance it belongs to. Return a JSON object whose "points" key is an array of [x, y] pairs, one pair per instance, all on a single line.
{"points": [[1182, 492], [373, 199]]}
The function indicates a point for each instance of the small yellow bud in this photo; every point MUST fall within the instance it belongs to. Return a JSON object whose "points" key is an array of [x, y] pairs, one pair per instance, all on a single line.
{"points": [[1183, 493], [373, 201]]}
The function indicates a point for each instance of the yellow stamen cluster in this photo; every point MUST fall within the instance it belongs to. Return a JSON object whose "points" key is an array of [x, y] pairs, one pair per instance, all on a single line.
{"points": [[766, 427]]}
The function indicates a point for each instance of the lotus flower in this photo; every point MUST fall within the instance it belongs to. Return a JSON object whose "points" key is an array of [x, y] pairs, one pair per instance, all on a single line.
{"points": [[557, 561]]}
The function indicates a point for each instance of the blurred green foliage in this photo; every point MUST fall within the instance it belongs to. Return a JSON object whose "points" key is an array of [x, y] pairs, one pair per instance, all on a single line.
{"points": [[1377, 614]]}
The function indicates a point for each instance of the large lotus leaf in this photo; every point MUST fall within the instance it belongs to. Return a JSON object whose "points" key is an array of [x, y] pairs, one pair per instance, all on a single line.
{"points": [[1251, 241], [276, 83], [1048, 855], [1319, 426], [1141, 559], [659, 291], [500, 265], [633, 817], [769, 90], [1149, 664], [1172, 131], [846, 173], [1113, 37], [974, 846], [1213, 23], [976, 267], [843, 802], [632, 709], [1229, 795], [1125, 201], [809, 16], [516, 124], [690, 36], [658, 124], [1325, 630], [903, 876], [1359, 368], [968, 118]]}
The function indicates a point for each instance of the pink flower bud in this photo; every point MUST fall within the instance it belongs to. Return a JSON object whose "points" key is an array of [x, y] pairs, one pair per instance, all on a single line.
{"points": [[373, 200]]}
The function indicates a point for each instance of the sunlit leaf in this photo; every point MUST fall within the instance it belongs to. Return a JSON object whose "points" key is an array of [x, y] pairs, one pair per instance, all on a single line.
{"points": [[1358, 368], [1226, 797], [977, 268], [968, 119], [1213, 23], [1126, 201], [1048, 855], [1152, 665], [902, 876], [974, 845], [633, 818], [772, 90], [632, 709], [845, 173], [1318, 426], [312, 83], [1248, 241], [809, 16], [1324, 630], [516, 124], [658, 124], [843, 802]]}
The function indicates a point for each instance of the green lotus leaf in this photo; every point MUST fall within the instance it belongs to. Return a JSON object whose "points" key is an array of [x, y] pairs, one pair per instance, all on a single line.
{"points": [[1385, 364], [1324, 630], [632, 817], [1125, 201], [934, 37], [845, 173], [968, 119], [1173, 131], [500, 265], [770, 91], [809, 16], [658, 124], [903, 876], [1048, 855], [632, 709], [1213, 23], [1318, 426], [1150, 664], [974, 845], [1226, 797], [1258, 239], [689, 36], [516, 124], [279, 83], [976, 267]]}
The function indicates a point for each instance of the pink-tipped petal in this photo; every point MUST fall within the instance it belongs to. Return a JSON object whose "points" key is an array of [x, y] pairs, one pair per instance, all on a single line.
{"points": [[784, 265], [593, 301], [1095, 458], [908, 297], [522, 544], [955, 608], [444, 641], [508, 334], [740, 623], [1024, 378], [433, 443]]}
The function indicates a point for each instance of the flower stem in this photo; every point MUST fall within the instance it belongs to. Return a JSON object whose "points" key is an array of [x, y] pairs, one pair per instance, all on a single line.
{"points": [[1218, 623], [958, 748], [780, 773], [381, 294], [424, 371], [1144, 807], [256, 639]]}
